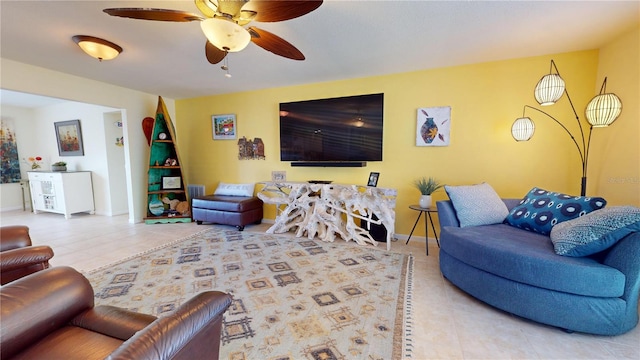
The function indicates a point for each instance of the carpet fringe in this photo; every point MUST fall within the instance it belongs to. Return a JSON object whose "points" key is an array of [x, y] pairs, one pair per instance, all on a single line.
{"points": [[407, 344]]}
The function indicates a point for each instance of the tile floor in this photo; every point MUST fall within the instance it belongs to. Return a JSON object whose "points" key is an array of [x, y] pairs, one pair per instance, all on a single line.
{"points": [[448, 324]]}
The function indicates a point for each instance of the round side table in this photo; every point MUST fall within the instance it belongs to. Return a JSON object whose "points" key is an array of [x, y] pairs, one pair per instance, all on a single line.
{"points": [[427, 219]]}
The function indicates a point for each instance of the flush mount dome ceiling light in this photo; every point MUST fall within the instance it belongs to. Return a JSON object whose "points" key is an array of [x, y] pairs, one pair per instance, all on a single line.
{"points": [[100, 49]]}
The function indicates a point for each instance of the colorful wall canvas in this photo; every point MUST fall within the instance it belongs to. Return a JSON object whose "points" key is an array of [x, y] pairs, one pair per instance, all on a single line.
{"points": [[224, 126], [10, 169], [433, 126]]}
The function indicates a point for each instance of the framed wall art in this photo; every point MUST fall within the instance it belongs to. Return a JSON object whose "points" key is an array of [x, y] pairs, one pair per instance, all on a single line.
{"points": [[224, 127], [433, 126], [69, 136], [171, 183]]}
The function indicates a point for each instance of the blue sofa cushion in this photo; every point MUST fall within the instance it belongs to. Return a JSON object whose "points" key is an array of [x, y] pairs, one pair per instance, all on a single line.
{"points": [[596, 231], [529, 258], [540, 210], [477, 204]]}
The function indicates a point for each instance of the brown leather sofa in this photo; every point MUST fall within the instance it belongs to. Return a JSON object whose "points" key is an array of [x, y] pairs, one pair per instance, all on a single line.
{"points": [[17, 257], [51, 315]]}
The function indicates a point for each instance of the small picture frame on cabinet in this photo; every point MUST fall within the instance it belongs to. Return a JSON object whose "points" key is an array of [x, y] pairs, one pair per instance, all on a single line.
{"points": [[373, 179], [279, 176], [171, 183]]}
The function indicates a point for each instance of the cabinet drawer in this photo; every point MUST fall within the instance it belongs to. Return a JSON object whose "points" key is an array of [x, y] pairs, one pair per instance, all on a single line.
{"points": [[43, 176]]}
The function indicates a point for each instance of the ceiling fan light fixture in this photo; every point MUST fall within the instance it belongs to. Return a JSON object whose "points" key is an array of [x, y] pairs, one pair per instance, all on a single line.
{"points": [[207, 7], [100, 49], [225, 35], [211, 4], [246, 16]]}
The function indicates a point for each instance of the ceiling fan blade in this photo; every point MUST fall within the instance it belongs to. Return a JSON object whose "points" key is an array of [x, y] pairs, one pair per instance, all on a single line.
{"points": [[274, 43], [153, 14], [214, 55], [274, 10]]}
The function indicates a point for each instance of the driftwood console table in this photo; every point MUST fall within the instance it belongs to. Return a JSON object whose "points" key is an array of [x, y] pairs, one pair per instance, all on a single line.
{"points": [[330, 210]]}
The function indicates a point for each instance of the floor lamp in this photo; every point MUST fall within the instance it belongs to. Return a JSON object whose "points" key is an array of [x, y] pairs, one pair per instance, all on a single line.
{"points": [[601, 111]]}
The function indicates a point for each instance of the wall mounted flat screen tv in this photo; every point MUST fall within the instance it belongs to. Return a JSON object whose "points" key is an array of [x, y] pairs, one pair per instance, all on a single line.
{"points": [[332, 130]]}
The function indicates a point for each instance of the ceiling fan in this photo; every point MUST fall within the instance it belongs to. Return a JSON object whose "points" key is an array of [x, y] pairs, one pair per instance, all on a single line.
{"points": [[222, 22]]}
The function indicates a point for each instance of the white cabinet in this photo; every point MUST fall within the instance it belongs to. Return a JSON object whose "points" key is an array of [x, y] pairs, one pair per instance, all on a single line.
{"points": [[61, 192]]}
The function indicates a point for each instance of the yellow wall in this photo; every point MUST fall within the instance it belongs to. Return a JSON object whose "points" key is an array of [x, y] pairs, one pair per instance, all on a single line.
{"points": [[615, 152], [485, 100]]}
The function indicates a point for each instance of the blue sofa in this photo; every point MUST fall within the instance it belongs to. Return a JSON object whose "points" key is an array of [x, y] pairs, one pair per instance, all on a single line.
{"points": [[518, 271]]}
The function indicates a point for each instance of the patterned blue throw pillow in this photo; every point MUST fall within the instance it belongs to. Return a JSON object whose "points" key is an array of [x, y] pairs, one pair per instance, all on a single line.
{"points": [[540, 210], [596, 231]]}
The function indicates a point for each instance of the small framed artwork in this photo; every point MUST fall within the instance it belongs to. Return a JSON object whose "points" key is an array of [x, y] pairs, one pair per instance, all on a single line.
{"points": [[69, 138], [373, 179], [224, 127], [433, 126], [171, 183], [278, 176]]}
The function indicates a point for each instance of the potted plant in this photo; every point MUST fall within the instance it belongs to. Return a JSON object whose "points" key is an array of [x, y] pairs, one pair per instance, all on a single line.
{"points": [[59, 166], [426, 187]]}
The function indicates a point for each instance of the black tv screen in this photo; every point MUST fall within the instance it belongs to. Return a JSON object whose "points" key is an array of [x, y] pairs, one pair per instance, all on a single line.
{"points": [[332, 130]]}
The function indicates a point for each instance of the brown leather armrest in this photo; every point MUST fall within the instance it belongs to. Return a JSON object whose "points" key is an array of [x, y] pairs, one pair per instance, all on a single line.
{"points": [[22, 257], [113, 321], [174, 336], [13, 237], [35, 306], [18, 263]]}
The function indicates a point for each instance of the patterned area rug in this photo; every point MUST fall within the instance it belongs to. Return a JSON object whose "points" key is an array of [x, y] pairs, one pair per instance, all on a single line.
{"points": [[293, 298]]}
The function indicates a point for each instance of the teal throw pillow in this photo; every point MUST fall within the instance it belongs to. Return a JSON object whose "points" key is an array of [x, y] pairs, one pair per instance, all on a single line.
{"points": [[540, 210], [596, 231], [477, 204]]}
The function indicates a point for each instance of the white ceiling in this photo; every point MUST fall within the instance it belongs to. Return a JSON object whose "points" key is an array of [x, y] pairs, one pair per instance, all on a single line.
{"points": [[341, 40], [19, 99]]}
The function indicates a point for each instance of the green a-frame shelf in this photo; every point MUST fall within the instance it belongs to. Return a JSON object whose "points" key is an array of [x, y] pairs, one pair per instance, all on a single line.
{"points": [[167, 198]]}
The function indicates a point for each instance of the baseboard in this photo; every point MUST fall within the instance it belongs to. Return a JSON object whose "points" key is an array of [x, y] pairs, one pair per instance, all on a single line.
{"points": [[12, 208], [405, 237]]}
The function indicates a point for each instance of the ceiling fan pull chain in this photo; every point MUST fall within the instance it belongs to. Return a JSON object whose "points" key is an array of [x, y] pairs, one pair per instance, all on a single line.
{"points": [[225, 66]]}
